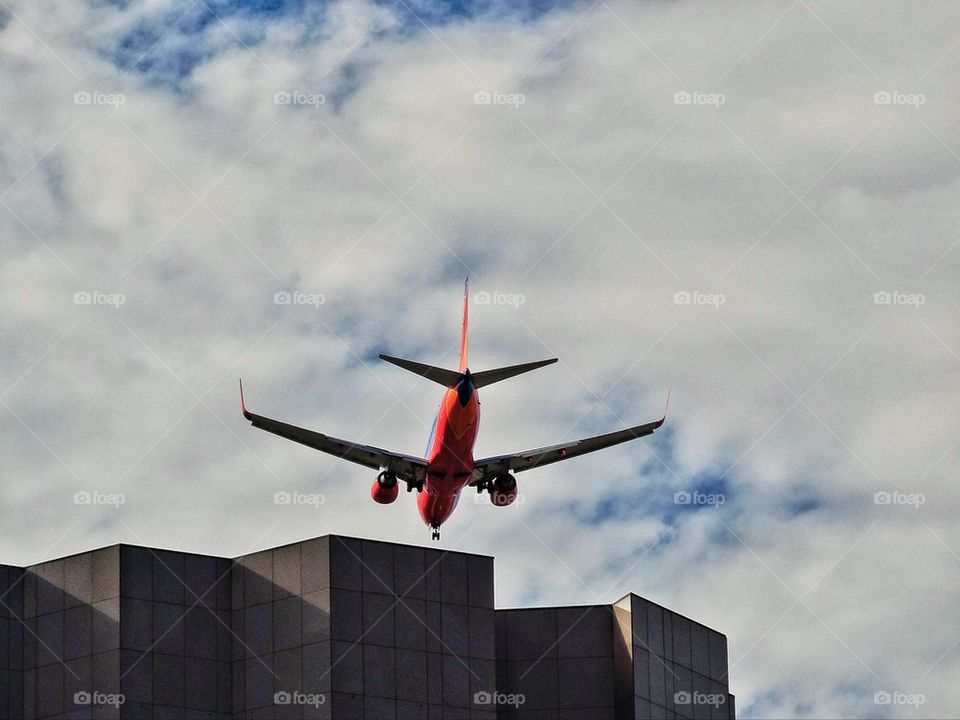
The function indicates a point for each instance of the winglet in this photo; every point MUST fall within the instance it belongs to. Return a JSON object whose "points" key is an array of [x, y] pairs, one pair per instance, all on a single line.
{"points": [[666, 405], [243, 405]]}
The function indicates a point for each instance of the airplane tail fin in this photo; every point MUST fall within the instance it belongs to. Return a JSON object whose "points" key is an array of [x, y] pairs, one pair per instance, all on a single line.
{"points": [[450, 378], [447, 378], [489, 377], [463, 330]]}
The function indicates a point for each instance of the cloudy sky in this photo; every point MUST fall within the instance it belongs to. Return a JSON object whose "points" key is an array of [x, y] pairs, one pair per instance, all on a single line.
{"points": [[754, 203]]}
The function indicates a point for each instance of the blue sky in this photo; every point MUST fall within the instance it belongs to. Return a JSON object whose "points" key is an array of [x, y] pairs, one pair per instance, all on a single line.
{"points": [[751, 204]]}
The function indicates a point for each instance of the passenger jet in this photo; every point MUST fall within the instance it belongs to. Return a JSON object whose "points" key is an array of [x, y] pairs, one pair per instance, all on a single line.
{"points": [[449, 466]]}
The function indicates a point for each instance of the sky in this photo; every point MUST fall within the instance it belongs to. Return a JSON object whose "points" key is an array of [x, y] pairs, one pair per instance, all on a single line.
{"points": [[751, 203]]}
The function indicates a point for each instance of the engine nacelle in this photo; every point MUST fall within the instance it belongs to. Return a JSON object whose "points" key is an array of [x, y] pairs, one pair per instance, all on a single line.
{"points": [[385, 489], [504, 490]]}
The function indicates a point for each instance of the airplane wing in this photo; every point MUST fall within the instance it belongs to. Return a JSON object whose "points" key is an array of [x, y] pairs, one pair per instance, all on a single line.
{"points": [[516, 462], [404, 466]]}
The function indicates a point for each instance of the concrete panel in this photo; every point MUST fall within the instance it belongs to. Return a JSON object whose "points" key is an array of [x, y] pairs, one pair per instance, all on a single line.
{"points": [[315, 565], [78, 638], [641, 636], [377, 568], [287, 624], [136, 622], [258, 629], [257, 578], [586, 682], [376, 707], [585, 632], [379, 671], [411, 676], [456, 682], [641, 673], [136, 676], [682, 641], [200, 677], [345, 567], [200, 575], [49, 587], [346, 615], [480, 581], [168, 582], [655, 629], [538, 681], [455, 630], [200, 629], [718, 657], [50, 690], [531, 633], [315, 616], [168, 629], [105, 569], [78, 580], [378, 619], [49, 630], [408, 572], [105, 625], [411, 619], [434, 627], [286, 572], [169, 678], [482, 633], [315, 668], [258, 682], [453, 578], [346, 663], [701, 649]]}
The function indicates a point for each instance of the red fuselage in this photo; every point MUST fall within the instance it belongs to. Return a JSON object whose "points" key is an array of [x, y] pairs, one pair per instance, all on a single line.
{"points": [[450, 452]]}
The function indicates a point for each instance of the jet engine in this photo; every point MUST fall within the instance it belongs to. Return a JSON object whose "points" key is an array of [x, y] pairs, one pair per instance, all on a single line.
{"points": [[504, 490], [385, 489]]}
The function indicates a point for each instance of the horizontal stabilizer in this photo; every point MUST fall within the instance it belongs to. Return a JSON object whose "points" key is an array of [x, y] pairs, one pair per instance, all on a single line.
{"points": [[488, 377], [447, 378]]}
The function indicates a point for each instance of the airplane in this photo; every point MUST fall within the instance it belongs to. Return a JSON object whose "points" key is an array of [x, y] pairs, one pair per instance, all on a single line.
{"points": [[449, 466]]}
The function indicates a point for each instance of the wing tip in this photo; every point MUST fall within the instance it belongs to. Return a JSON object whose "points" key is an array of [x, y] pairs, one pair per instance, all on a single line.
{"points": [[666, 406], [243, 405]]}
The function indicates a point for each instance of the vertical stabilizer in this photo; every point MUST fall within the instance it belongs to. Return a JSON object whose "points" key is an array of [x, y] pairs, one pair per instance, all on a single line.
{"points": [[463, 331]]}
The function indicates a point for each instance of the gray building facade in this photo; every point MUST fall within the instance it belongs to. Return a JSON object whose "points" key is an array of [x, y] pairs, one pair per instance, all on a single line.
{"points": [[334, 627]]}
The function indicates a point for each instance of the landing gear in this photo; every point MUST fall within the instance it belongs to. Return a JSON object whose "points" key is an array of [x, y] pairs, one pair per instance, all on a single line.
{"points": [[436, 532]]}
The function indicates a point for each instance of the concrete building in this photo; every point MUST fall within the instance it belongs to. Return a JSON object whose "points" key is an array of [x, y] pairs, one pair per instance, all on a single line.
{"points": [[334, 627]]}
